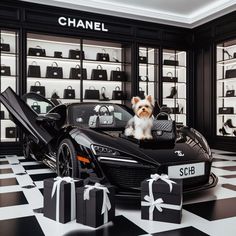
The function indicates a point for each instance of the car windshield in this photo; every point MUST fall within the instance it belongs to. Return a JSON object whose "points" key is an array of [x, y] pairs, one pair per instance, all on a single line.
{"points": [[98, 115]]}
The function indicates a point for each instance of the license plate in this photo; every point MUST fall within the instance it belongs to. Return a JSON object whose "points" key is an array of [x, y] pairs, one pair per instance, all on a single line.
{"points": [[186, 171]]}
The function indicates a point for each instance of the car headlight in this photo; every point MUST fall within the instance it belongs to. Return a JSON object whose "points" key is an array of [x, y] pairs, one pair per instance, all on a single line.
{"points": [[101, 150]]}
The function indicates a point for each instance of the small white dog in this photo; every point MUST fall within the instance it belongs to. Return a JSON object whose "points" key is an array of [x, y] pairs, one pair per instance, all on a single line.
{"points": [[140, 125]]}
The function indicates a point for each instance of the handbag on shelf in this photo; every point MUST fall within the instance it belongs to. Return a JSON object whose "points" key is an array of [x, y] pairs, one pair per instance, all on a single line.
{"points": [[37, 88], [143, 78], [5, 70], [234, 55], [76, 54], [118, 75], [36, 107], [76, 73], [170, 78], [231, 73], [4, 46], [91, 93], [226, 110], [34, 70], [164, 130], [141, 93], [69, 93], [10, 132], [48, 108], [171, 62], [57, 54], [141, 58], [230, 92], [37, 51], [165, 109], [102, 120], [103, 56], [2, 115], [118, 94], [54, 71], [99, 73]]}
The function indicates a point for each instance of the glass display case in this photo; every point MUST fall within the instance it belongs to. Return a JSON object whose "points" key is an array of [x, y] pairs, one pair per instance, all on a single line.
{"points": [[225, 89], [78, 70], [174, 72], [9, 77]]}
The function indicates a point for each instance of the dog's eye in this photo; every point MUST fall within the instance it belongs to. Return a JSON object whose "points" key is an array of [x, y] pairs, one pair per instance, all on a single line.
{"points": [[139, 107], [147, 106]]}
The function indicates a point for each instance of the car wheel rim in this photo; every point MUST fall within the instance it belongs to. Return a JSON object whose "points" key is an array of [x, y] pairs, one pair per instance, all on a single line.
{"points": [[65, 161]]}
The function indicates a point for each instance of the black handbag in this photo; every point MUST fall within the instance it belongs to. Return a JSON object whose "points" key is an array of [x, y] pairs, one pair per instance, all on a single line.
{"points": [[171, 62], [37, 51], [99, 74], [57, 54], [170, 78], [69, 93], [91, 93], [76, 54], [36, 107], [4, 46], [2, 115], [141, 93], [54, 71], [34, 70], [48, 108], [10, 132], [165, 109], [118, 94], [164, 130], [226, 110], [143, 78], [142, 59], [230, 73], [103, 56], [37, 88], [230, 92], [118, 75], [5, 70], [102, 120], [75, 73]]}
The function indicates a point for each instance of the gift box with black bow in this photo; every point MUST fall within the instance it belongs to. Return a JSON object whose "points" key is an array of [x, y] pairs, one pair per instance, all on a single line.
{"points": [[60, 198], [95, 205], [161, 199]]}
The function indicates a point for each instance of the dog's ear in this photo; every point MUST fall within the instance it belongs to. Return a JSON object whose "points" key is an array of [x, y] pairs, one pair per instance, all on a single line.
{"points": [[135, 100], [150, 99]]}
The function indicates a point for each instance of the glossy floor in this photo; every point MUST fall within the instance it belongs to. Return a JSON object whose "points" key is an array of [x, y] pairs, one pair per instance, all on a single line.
{"points": [[210, 212]]}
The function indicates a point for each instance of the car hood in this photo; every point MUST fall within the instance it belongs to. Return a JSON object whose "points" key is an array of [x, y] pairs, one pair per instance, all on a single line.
{"points": [[187, 148]]}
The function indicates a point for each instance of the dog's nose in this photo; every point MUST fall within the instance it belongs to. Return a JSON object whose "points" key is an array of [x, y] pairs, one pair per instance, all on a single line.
{"points": [[143, 109]]}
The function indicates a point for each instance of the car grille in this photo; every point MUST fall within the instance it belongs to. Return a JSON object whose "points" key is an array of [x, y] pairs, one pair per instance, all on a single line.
{"points": [[127, 177]]}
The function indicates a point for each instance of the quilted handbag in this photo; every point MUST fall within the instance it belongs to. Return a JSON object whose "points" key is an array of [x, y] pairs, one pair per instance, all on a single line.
{"points": [[36, 107], [10, 132], [118, 75], [5, 70], [37, 51], [141, 93], [34, 70], [54, 71], [226, 110], [103, 56], [37, 88], [76, 54], [76, 73], [91, 93], [118, 94], [99, 73], [69, 93], [57, 54], [4, 46], [164, 130], [2, 115], [169, 78], [104, 118], [171, 62]]}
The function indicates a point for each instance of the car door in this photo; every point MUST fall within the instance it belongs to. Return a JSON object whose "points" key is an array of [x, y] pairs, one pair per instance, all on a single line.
{"points": [[24, 116]]}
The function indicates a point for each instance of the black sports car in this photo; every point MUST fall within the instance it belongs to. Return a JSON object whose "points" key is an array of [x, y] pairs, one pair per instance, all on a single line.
{"points": [[75, 141]]}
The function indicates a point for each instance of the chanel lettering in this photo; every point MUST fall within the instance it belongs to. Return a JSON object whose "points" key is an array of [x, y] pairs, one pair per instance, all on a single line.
{"points": [[84, 24]]}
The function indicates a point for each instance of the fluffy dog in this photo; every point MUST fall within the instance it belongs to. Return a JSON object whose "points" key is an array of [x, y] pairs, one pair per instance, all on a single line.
{"points": [[141, 124]]}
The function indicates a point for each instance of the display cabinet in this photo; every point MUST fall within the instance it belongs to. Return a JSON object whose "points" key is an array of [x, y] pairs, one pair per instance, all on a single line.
{"points": [[9, 77], [78, 70], [174, 78], [225, 89]]}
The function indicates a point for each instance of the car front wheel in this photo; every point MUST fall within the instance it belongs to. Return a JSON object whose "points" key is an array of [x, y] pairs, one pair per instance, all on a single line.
{"points": [[66, 159]]}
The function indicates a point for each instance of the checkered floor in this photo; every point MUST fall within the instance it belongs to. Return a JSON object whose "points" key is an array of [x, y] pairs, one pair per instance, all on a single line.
{"points": [[210, 212]]}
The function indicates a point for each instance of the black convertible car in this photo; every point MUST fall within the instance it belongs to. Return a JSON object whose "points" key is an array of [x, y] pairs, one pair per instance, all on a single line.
{"points": [[86, 140]]}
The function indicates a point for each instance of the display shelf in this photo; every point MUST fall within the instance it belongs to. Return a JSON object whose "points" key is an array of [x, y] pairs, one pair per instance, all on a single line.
{"points": [[9, 54], [180, 67], [182, 83], [172, 99], [233, 97], [222, 80], [53, 79], [226, 114]]}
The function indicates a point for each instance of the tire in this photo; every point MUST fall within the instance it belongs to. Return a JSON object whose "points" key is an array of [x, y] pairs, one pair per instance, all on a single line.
{"points": [[66, 159]]}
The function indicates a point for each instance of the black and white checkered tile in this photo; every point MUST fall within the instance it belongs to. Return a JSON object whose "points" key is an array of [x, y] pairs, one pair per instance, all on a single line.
{"points": [[210, 212]]}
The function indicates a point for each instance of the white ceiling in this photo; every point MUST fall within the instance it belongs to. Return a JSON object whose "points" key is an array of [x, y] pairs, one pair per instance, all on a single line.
{"points": [[186, 13]]}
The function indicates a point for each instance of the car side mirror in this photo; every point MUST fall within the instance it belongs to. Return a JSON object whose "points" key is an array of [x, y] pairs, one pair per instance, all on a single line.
{"points": [[49, 117]]}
